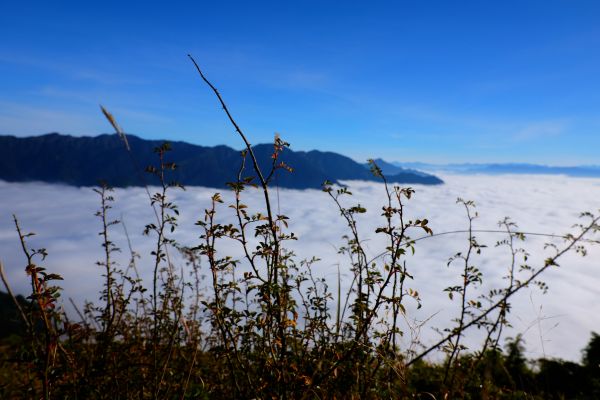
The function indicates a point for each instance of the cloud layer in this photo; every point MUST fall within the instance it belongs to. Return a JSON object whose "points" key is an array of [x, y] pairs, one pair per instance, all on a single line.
{"points": [[557, 324]]}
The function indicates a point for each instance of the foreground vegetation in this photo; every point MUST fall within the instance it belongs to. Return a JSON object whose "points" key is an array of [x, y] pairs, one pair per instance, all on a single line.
{"points": [[499, 373], [264, 326]]}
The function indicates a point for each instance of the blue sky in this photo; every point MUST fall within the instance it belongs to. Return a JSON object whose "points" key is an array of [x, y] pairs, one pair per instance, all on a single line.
{"points": [[432, 81]]}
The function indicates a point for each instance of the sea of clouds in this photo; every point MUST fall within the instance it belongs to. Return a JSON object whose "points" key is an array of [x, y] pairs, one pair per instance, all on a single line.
{"points": [[557, 324]]}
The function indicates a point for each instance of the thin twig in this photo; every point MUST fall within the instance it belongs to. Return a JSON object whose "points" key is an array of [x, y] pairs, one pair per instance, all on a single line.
{"points": [[552, 261]]}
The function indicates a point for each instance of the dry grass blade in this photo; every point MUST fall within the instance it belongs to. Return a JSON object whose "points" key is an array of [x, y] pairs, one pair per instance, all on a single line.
{"points": [[114, 124]]}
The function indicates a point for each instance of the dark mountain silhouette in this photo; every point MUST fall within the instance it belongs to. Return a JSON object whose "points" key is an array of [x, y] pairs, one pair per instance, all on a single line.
{"points": [[84, 161]]}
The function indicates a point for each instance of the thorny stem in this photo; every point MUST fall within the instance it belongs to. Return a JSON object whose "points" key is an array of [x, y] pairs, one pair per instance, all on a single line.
{"points": [[242, 236], [395, 243], [463, 294], [109, 311], [500, 319], [257, 169], [218, 306], [549, 262], [366, 321], [39, 292], [273, 269]]}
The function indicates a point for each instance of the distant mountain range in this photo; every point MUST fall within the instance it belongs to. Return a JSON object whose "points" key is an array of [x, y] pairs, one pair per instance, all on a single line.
{"points": [[590, 171], [84, 161]]}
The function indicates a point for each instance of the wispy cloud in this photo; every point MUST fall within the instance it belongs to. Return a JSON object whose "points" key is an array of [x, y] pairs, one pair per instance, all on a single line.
{"points": [[540, 130], [78, 117], [23, 119], [485, 131], [297, 79], [77, 70]]}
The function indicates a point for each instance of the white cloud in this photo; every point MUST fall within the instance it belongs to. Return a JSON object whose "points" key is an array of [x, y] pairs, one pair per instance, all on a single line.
{"points": [[558, 323]]}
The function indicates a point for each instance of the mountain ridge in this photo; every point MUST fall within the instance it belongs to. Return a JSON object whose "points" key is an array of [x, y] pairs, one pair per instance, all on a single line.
{"points": [[582, 171], [85, 160]]}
